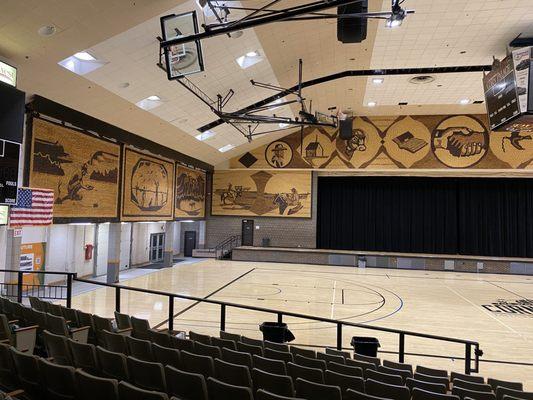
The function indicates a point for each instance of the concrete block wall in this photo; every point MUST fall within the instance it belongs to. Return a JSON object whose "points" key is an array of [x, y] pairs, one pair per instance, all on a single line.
{"points": [[282, 232]]}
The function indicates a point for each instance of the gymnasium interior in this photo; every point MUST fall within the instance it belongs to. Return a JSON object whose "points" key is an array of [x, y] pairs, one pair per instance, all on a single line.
{"points": [[266, 200]]}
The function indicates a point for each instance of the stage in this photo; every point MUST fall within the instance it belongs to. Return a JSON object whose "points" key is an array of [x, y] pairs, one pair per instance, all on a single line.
{"points": [[348, 258]]}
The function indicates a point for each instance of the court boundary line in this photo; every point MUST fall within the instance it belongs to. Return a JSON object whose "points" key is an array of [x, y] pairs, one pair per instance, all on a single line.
{"points": [[205, 297]]}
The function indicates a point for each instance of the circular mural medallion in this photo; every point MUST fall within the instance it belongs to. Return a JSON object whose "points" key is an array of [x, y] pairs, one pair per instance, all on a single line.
{"points": [[278, 154]]}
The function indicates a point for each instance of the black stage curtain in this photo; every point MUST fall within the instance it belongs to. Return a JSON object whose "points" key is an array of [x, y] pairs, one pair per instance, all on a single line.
{"points": [[490, 217]]}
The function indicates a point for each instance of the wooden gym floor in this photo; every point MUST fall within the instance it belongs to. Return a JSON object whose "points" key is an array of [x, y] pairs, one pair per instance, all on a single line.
{"points": [[440, 303]]}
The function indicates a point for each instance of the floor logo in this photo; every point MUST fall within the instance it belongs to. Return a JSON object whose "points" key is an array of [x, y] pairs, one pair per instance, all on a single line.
{"points": [[522, 306]]}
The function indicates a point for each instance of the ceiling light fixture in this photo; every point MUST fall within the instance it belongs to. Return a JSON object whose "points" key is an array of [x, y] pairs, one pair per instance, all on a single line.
{"points": [[149, 103], [283, 125], [47, 30], [252, 54], [397, 16], [205, 135], [249, 59], [464, 101], [84, 56], [225, 148], [82, 63], [377, 81], [371, 104]]}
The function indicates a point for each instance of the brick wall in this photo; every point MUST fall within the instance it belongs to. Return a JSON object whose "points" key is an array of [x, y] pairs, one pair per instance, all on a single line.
{"points": [[283, 232]]}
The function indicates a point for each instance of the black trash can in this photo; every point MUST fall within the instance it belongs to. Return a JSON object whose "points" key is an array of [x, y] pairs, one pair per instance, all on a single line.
{"points": [[366, 346], [276, 332], [265, 242]]}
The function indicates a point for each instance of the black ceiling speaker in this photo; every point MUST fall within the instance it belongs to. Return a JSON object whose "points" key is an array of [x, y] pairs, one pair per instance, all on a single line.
{"points": [[352, 30], [346, 128]]}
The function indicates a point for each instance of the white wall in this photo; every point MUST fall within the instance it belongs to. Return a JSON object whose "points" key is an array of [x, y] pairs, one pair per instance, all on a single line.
{"points": [[141, 240], [177, 237], [102, 249], [125, 242]]}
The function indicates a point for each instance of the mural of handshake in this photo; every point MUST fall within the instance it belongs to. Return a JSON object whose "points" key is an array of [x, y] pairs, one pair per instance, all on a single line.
{"points": [[460, 141]]}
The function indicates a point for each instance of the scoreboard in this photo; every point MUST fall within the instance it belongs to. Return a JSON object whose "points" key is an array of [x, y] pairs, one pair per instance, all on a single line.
{"points": [[9, 169]]}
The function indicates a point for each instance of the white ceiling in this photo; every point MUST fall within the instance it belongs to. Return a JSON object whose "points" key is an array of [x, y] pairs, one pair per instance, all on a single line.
{"points": [[123, 33]]}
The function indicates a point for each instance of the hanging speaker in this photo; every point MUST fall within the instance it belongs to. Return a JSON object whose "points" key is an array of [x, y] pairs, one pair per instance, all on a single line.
{"points": [[346, 128], [352, 30]]}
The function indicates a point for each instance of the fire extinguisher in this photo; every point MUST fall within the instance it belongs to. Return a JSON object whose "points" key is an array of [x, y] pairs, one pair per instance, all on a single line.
{"points": [[88, 252]]}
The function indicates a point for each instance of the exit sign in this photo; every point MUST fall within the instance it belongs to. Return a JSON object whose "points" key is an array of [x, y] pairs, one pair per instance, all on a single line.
{"points": [[8, 74]]}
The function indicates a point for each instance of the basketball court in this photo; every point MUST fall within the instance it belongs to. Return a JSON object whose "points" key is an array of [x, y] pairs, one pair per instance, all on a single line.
{"points": [[428, 302]]}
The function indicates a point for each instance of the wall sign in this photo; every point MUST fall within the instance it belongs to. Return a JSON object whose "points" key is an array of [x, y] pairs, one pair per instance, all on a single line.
{"points": [[8, 74], [9, 169]]}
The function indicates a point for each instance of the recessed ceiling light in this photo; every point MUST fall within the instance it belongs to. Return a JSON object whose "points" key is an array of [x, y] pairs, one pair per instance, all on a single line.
{"points": [[205, 135], [84, 56], [149, 103], [252, 54], [82, 63], [464, 101], [283, 125], [225, 148], [236, 34], [371, 104], [47, 30], [249, 59], [377, 81], [421, 79]]}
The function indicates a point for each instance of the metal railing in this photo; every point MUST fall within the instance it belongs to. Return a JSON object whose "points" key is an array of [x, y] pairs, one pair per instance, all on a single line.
{"points": [[14, 286], [224, 305], [225, 247]]}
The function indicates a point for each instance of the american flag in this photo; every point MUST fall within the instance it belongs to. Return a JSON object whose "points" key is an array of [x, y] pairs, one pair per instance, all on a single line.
{"points": [[34, 208]]}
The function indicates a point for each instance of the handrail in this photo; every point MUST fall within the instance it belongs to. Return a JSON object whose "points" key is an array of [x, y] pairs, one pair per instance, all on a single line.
{"points": [[39, 272], [280, 314], [229, 243]]}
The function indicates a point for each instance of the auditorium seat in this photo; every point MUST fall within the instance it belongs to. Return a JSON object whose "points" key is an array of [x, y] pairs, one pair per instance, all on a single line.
{"points": [[250, 348], [501, 392], [23, 338], [230, 336], [105, 324], [310, 362], [127, 391], [331, 357], [140, 349], [412, 383], [355, 395], [335, 352], [123, 321], [8, 375], [140, 328], [28, 373], [223, 343], [54, 309], [112, 365], [344, 382], [316, 391], [58, 325], [114, 342], [166, 355], [432, 379], [237, 357], [281, 385], [385, 390], [365, 366], [431, 371], [252, 342], [181, 344], [269, 365], [86, 319], [468, 378], [89, 384], [197, 364], [59, 380], [345, 369], [479, 387], [421, 394], [223, 391], [147, 375], [495, 383], [71, 316], [400, 372], [57, 348], [265, 395], [185, 385], [197, 337], [234, 374], [302, 352], [384, 378], [207, 350], [84, 356], [309, 374], [276, 346], [401, 366], [161, 338], [472, 394], [284, 356], [374, 360]]}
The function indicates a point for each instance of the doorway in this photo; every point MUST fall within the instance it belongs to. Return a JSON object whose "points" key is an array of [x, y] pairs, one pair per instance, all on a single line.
{"points": [[157, 245], [247, 232], [190, 243]]}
